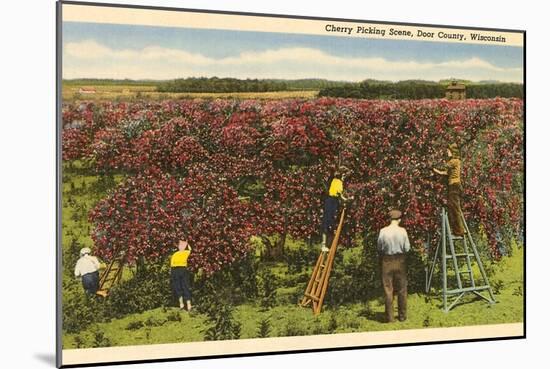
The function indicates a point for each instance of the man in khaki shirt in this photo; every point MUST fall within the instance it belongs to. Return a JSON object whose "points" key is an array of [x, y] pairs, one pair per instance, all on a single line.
{"points": [[454, 189]]}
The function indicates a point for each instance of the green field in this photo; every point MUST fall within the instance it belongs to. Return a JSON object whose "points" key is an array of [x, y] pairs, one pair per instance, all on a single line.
{"points": [[167, 324]]}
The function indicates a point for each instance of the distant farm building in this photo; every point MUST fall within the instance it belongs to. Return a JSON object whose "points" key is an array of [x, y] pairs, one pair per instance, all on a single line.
{"points": [[455, 91], [87, 90]]}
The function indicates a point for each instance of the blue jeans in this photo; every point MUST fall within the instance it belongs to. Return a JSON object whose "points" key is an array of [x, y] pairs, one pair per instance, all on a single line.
{"points": [[179, 279], [329, 214], [90, 282]]}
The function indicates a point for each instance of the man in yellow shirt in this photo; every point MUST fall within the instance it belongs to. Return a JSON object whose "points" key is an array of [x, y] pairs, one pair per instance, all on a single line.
{"points": [[179, 275], [335, 193]]}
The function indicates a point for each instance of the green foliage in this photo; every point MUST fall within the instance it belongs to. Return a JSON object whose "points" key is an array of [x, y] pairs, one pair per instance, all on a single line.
{"points": [[134, 324], [79, 342], [497, 285], [416, 272], [149, 289], [154, 321], [223, 325], [216, 84], [71, 256], [293, 328], [355, 277], [300, 258], [371, 89], [243, 277], [332, 323], [427, 322], [264, 328], [173, 316], [490, 90], [79, 309], [267, 289], [232, 285], [236, 330], [107, 82], [99, 338]]}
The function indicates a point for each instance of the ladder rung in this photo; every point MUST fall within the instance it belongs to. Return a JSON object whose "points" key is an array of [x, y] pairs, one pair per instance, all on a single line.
{"points": [[468, 289], [459, 255], [314, 298], [458, 238]]}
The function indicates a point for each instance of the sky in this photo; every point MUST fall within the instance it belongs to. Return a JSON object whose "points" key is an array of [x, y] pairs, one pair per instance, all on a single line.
{"points": [[94, 50]]}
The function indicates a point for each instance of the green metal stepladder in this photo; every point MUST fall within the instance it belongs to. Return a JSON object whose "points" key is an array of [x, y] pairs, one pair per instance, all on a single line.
{"points": [[460, 264]]}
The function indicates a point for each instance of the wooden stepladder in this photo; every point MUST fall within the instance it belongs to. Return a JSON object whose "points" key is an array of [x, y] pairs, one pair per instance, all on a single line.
{"points": [[111, 275], [318, 283], [463, 281]]}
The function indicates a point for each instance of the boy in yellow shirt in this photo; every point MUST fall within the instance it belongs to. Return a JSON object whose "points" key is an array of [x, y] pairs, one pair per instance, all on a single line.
{"points": [[179, 275], [332, 203]]}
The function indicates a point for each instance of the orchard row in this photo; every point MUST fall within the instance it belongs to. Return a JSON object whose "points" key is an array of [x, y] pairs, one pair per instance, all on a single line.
{"points": [[221, 171]]}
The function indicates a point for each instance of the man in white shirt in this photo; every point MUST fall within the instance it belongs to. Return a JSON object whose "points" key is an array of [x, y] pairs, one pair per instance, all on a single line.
{"points": [[393, 244], [87, 267]]}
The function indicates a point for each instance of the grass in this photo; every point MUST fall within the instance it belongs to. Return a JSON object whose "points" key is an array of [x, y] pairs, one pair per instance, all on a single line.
{"points": [[81, 190], [159, 326]]}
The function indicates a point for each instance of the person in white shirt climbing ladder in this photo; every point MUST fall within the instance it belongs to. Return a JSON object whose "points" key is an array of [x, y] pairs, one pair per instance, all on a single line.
{"points": [[87, 267]]}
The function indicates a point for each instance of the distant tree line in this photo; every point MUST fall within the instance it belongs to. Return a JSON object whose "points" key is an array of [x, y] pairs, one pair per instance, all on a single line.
{"points": [[482, 91], [367, 89], [216, 84], [419, 90], [108, 82]]}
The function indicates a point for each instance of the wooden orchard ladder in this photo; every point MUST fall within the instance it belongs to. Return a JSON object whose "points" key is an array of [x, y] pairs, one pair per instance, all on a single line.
{"points": [[111, 275], [318, 283]]}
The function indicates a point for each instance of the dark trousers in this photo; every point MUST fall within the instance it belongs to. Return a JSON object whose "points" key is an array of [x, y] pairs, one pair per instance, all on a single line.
{"points": [[454, 194], [394, 279], [329, 214], [179, 280], [90, 282]]}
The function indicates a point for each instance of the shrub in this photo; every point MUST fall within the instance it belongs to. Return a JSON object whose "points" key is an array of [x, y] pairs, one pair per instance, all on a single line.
{"points": [[79, 342], [79, 309], [332, 323], [268, 289], [99, 338], [133, 325], [264, 328], [300, 258], [293, 328], [154, 322], [223, 326], [232, 285], [149, 289], [173, 316]]}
